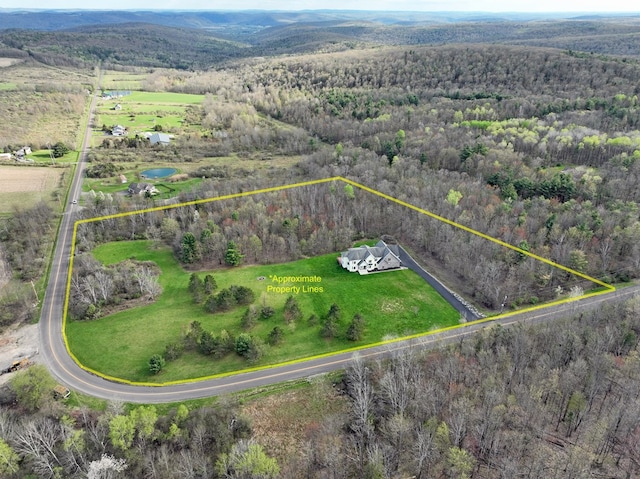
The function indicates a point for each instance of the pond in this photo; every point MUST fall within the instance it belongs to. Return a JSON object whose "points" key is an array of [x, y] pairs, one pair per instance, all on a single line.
{"points": [[157, 173]]}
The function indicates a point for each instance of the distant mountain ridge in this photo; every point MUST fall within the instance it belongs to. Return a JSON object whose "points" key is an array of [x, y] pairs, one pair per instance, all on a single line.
{"points": [[200, 40], [64, 19]]}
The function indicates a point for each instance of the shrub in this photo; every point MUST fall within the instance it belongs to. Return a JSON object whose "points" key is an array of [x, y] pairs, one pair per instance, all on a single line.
{"points": [[249, 318], [266, 312], [173, 351], [355, 331], [275, 336], [242, 294], [156, 363]]}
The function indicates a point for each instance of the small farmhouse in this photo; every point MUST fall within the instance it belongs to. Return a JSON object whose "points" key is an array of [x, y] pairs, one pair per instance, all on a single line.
{"points": [[118, 130], [366, 259], [22, 152], [142, 189]]}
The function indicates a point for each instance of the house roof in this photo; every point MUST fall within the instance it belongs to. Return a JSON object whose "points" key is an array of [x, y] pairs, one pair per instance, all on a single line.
{"points": [[380, 250], [159, 138]]}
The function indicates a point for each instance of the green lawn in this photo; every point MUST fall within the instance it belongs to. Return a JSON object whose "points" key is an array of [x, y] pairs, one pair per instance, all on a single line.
{"points": [[393, 304]]}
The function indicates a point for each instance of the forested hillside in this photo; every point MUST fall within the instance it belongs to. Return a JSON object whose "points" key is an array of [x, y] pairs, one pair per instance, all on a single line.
{"points": [[202, 40]]}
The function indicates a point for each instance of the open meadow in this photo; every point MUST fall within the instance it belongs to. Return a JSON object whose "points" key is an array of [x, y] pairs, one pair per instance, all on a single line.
{"points": [[24, 186], [393, 304], [119, 80], [41, 104]]}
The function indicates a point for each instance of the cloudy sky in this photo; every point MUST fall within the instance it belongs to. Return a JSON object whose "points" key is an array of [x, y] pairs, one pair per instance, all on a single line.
{"points": [[393, 5]]}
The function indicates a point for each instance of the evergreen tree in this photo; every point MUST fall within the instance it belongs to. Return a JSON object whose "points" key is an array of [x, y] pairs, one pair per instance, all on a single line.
{"points": [[355, 331], [207, 343], [292, 311], [329, 328], [211, 304], [196, 287], [249, 318], [233, 257], [242, 294], [210, 284], [225, 300], [156, 363], [275, 336], [189, 248]]}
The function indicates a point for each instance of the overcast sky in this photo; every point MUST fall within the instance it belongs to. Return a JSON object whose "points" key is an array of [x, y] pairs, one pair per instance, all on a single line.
{"points": [[391, 5]]}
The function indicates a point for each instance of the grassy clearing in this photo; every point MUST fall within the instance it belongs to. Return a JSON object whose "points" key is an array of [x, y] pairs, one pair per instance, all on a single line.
{"points": [[115, 80], [142, 121], [155, 98], [393, 304], [282, 422]]}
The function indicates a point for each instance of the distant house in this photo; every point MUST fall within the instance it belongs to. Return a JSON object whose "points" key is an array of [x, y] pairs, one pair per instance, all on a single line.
{"points": [[160, 139], [117, 107], [118, 130], [123, 179], [142, 189], [366, 259], [5, 156], [24, 151]]}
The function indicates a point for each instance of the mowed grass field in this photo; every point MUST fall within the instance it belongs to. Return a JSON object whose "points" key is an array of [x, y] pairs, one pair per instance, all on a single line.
{"points": [[24, 186], [393, 304], [116, 80]]}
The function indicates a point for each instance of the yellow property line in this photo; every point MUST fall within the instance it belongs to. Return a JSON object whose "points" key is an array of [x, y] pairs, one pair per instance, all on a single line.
{"points": [[607, 287]]}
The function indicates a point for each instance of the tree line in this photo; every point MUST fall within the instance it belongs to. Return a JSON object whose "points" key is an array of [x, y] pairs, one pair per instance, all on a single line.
{"points": [[558, 400]]}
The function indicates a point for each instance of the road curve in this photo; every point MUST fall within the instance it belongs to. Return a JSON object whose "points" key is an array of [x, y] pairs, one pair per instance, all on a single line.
{"points": [[66, 371]]}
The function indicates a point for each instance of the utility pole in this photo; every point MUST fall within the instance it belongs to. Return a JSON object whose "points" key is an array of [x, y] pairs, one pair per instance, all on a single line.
{"points": [[35, 292]]}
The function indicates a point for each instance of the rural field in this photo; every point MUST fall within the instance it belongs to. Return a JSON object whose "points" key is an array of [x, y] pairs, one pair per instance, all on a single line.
{"points": [[116, 80], [393, 304], [144, 111], [25, 186], [41, 104]]}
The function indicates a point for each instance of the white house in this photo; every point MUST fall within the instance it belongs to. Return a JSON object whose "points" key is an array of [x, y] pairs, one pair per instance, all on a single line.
{"points": [[24, 151], [118, 130], [366, 259], [142, 189]]}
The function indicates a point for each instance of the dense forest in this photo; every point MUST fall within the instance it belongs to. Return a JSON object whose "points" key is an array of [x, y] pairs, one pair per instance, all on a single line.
{"points": [[535, 145]]}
